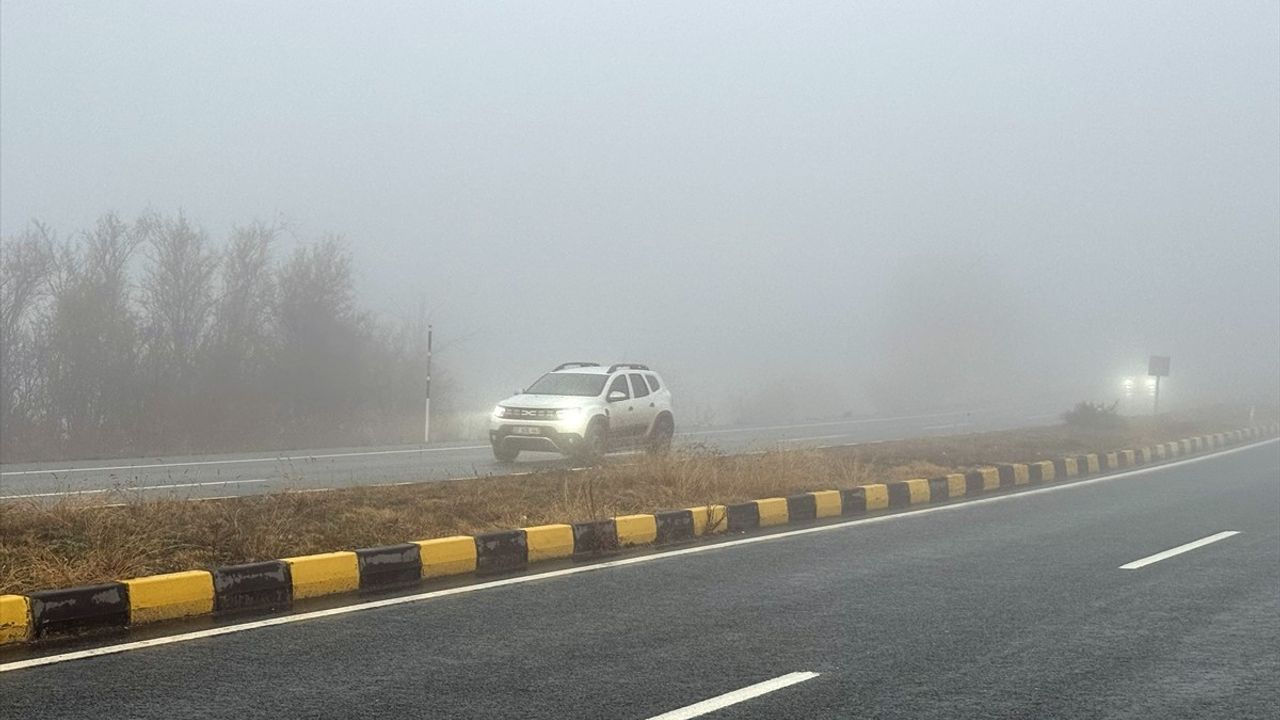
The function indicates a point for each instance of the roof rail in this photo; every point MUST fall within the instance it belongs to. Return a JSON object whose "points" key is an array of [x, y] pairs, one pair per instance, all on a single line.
{"points": [[633, 366], [563, 366]]}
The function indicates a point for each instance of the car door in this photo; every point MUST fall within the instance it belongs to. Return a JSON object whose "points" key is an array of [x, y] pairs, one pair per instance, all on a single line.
{"points": [[622, 408], [642, 399]]}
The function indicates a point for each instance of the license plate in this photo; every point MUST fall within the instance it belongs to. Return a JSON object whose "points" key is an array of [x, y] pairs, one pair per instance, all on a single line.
{"points": [[521, 430]]}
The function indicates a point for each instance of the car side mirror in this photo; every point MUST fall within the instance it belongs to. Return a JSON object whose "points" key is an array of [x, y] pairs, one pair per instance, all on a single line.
{"points": [[616, 396]]}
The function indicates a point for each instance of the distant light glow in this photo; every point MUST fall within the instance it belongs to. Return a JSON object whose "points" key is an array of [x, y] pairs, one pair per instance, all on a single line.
{"points": [[1135, 386]]}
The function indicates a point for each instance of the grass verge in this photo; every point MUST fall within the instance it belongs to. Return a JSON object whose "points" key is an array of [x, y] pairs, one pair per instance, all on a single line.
{"points": [[73, 542]]}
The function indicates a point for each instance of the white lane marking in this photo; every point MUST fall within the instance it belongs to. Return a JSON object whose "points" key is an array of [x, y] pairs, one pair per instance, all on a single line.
{"points": [[1178, 550], [749, 692], [579, 569], [817, 437], [863, 421], [138, 488], [239, 461], [93, 491], [947, 427], [370, 452], [364, 453]]}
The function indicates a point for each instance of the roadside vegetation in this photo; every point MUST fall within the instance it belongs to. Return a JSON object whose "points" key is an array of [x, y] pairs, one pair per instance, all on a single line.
{"points": [[149, 337], [1094, 415], [77, 541]]}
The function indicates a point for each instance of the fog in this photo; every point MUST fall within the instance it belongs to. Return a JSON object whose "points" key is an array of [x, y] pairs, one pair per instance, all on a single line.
{"points": [[790, 211]]}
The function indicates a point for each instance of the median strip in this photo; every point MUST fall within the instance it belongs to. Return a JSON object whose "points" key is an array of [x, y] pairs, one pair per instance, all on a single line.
{"points": [[15, 602], [278, 584]]}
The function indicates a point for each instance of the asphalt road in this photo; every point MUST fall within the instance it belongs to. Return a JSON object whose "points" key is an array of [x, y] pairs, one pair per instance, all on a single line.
{"points": [[1009, 606], [239, 474]]}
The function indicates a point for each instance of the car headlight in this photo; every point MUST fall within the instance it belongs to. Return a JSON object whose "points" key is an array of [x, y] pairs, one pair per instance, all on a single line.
{"points": [[568, 413], [499, 411]]}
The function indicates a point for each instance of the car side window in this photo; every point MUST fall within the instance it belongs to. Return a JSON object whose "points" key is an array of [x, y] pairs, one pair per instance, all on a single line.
{"points": [[637, 384], [619, 384], [653, 382]]}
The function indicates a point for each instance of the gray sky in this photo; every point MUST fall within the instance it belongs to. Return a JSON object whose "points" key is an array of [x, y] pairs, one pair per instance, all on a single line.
{"points": [[742, 194]]}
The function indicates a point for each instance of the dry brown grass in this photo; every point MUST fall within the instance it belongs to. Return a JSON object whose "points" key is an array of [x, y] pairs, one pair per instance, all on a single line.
{"points": [[68, 543]]}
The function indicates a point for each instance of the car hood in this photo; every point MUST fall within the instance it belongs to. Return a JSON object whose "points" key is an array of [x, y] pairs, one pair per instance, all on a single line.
{"points": [[545, 401]]}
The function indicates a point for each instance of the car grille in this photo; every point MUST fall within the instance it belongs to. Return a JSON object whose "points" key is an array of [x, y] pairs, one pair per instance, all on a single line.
{"points": [[529, 414]]}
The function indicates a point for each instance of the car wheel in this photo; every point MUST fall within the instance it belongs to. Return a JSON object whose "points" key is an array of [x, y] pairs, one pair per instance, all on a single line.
{"points": [[592, 448], [664, 428], [504, 455]]}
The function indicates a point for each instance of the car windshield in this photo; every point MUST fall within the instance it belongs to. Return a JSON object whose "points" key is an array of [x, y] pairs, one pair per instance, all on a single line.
{"points": [[584, 384]]}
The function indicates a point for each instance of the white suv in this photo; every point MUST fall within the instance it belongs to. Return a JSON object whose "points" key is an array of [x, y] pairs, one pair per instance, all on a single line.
{"points": [[584, 410]]}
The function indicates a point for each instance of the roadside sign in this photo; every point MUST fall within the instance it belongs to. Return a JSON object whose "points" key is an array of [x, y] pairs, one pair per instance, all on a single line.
{"points": [[1159, 366]]}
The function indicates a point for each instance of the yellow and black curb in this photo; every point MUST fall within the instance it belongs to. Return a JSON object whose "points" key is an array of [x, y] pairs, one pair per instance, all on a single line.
{"points": [[276, 585]]}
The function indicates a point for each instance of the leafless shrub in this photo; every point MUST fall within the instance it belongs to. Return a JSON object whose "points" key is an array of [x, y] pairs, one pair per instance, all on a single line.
{"points": [[25, 264]]}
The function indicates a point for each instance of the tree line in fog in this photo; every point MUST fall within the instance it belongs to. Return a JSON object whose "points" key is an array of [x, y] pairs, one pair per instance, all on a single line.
{"points": [[148, 337]]}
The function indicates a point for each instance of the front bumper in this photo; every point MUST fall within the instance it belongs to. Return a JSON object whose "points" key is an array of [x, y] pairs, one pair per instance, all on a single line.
{"points": [[548, 438]]}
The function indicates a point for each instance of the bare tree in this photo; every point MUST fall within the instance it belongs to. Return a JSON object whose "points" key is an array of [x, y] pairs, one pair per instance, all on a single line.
{"points": [[242, 331], [93, 341], [176, 299], [177, 291], [240, 406], [24, 273], [210, 349], [24, 270], [322, 341]]}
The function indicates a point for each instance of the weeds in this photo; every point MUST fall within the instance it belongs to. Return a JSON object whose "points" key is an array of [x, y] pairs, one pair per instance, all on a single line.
{"points": [[1094, 415], [74, 542]]}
